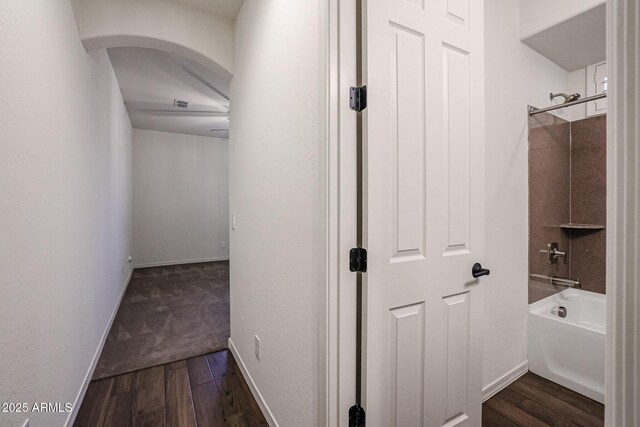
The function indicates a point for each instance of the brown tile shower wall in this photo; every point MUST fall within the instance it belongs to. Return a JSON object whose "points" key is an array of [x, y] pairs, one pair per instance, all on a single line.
{"points": [[549, 195], [588, 201], [567, 184]]}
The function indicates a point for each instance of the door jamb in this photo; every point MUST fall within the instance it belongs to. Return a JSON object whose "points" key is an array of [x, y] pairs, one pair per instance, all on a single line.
{"points": [[336, 225], [622, 395]]}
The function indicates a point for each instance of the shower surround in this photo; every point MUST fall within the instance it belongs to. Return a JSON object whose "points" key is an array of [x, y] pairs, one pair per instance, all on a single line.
{"points": [[567, 201]]}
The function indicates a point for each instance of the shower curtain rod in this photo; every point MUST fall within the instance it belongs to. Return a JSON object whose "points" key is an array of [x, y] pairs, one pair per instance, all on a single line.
{"points": [[533, 110]]}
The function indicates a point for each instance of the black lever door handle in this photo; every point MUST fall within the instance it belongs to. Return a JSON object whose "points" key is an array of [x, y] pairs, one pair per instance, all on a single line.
{"points": [[477, 270]]}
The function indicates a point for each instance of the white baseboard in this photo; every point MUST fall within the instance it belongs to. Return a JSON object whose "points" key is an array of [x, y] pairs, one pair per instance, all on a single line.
{"points": [[87, 379], [252, 386], [184, 261], [504, 381]]}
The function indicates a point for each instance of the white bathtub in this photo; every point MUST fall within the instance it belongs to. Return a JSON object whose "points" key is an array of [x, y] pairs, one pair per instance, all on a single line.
{"points": [[570, 351]]}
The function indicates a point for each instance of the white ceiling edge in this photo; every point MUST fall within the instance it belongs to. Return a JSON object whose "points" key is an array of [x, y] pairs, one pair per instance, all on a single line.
{"points": [[150, 80], [186, 126], [540, 15], [226, 8], [155, 128], [574, 43]]}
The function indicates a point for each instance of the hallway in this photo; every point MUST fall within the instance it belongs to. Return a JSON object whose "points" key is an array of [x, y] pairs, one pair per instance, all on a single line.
{"points": [[117, 155], [202, 391], [312, 213]]}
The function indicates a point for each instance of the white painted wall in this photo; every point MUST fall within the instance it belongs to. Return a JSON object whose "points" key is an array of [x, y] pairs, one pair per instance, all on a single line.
{"points": [[515, 77], [180, 198], [161, 24], [539, 15], [273, 164], [578, 83], [65, 206]]}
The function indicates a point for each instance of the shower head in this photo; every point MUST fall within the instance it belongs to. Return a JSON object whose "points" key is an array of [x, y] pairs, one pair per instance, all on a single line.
{"points": [[567, 98]]}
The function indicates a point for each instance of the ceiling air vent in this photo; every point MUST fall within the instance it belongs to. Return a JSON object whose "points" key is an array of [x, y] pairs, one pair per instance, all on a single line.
{"points": [[180, 104]]}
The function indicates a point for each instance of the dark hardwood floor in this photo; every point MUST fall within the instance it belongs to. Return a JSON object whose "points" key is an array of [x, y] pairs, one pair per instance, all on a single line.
{"points": [[206, 391], [209, 391], [534, 401]]}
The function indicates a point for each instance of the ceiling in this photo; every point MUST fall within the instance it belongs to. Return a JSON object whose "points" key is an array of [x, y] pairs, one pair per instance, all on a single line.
{"points": [[150, 80], [226, 8], [576, 42]]}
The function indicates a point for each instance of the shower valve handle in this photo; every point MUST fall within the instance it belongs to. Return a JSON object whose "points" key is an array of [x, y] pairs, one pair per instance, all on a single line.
{"points": [[553, 253], [477, 271]]}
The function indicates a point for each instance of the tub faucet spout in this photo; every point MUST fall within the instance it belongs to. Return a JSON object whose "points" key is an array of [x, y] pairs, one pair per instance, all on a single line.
{"points": [[559, 311]]}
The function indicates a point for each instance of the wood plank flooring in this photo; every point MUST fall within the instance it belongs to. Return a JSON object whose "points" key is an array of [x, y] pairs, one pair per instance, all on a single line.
{"points": [[210, 391], [534, 401], [205, 391]]}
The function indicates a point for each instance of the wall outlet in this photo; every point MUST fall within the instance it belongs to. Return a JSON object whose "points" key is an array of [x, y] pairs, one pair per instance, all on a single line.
{"points": [[223, 244], [257, 342], [130, 259], [233, 220]]}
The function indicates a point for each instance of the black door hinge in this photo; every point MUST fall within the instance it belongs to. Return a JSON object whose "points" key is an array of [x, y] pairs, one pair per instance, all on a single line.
{"points": [[358, 259], [358, 98], [356, 416]]}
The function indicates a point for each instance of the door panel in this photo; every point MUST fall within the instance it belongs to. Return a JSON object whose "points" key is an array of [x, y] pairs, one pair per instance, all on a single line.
{"points": [[456, 110], [423, 211], [457, 353], [457, 11], [407, 121], [407, 358]]}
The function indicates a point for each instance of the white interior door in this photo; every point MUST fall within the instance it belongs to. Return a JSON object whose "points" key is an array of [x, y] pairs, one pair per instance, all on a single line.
{"points": [[423, 211]]}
